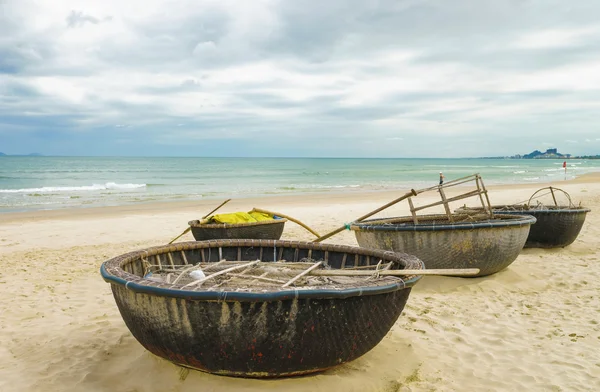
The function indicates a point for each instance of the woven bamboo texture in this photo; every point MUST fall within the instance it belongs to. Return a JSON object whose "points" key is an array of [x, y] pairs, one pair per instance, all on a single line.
{"points": [[263, 230], [287, 333], [556, 226], [488, 244]]}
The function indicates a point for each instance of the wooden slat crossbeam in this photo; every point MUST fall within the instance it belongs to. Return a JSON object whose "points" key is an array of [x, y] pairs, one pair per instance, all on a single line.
{"points": [[440, 188], [481, 188], [455, 198], [480, 191], [446, 206], [412, 210], [487, 198]]}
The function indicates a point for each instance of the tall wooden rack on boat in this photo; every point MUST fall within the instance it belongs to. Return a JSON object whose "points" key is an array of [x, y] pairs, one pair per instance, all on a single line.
{"points": [[480, 191]]}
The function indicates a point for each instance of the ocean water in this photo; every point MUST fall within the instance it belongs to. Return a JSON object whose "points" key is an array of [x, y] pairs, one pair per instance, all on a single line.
{"points": [[34, 183]]}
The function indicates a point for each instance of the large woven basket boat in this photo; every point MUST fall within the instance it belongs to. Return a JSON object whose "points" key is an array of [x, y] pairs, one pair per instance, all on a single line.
{"points": [[263, 230], [469, 242], [556, 226], [268, 330]]}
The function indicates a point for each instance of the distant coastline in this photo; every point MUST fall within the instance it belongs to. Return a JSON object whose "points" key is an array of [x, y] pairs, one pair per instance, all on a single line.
{"points": [[33, 154], [551, 153]]}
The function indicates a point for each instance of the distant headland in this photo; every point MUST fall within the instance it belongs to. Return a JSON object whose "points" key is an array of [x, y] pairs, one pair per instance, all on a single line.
{"points": [[551, 153], [33, 154]]}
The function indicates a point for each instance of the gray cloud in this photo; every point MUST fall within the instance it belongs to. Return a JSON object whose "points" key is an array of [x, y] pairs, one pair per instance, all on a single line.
{"points": [[78, 19], [457, 78]]}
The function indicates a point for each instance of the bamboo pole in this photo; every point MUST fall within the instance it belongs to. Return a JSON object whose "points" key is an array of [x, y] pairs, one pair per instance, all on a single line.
{"points": [[287, 217], [487, 198], [330, 234], [412, 210], [446, 206], [185, 271], [553, 197], [258, 278], [221, 273], [305, 272], [449, 271], [437, 203], [449, 184], [487, 209], [368, 267], [204, 217]]}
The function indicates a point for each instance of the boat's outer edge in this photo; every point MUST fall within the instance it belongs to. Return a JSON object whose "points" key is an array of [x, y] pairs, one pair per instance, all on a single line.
{"points": [[256, 297]]}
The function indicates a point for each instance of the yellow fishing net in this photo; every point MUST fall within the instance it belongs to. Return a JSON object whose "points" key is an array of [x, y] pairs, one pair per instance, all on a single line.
{"points": [[240, 217]]}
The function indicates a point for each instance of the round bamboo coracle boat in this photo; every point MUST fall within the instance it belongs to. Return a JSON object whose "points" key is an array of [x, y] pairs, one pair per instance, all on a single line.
{"points": [[490, 244], [259, 308], [556, 226], [263, 230]]}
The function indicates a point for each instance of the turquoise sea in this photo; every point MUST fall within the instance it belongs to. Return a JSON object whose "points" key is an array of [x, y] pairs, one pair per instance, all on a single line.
{"points": [[34, 183]]}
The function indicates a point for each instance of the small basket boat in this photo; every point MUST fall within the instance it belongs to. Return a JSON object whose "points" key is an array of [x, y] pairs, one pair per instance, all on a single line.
{"points": [[263, 230], [557, 226], [490, 244], [257, 326]]}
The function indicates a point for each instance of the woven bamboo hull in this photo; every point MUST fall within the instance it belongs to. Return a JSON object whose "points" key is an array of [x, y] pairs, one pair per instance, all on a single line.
{"points": [[259, 335], [252, 339], [555, 228], [267, 230], [491, 249]]}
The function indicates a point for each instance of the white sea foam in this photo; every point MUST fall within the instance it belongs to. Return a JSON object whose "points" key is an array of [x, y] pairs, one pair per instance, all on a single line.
{"points": [[519, 172], [316, 186], [95, 187]]}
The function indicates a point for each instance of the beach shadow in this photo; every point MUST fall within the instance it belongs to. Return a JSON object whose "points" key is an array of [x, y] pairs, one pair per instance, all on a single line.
{"points": [[132, 368], [447, 284]]}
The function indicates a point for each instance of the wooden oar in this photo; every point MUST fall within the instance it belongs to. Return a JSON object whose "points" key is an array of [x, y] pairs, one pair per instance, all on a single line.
{"points": [[287, 217], [204, 217], [409, 194], [449, 271], [354, 272]]}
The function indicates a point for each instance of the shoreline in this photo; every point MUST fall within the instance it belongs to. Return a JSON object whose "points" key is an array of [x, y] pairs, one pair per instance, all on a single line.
{"points": [[78, 213]]}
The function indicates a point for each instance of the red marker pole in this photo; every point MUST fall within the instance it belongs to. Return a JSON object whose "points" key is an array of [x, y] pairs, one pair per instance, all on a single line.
{"points": [[565, 167]]}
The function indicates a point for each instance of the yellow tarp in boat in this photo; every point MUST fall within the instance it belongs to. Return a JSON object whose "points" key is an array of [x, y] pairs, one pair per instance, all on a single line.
{"points": [[240, 217]]}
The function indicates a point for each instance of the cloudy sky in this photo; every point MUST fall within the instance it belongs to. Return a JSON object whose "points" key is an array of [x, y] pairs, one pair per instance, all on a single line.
{"points": [[388, 78]]}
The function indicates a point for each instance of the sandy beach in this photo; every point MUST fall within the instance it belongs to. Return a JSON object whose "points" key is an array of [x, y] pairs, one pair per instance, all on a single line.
{"points": [[534, 326]]}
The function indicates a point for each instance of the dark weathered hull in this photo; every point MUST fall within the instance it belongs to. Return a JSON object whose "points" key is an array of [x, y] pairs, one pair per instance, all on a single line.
{"points": [[491, 247], [273, 334], [259, 339], [267, 230], [554, 228]]}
